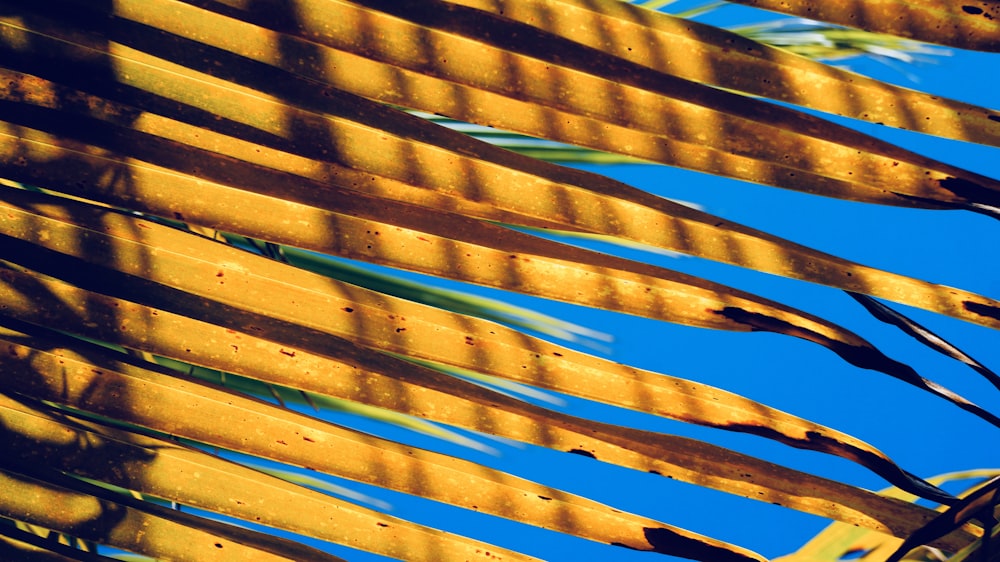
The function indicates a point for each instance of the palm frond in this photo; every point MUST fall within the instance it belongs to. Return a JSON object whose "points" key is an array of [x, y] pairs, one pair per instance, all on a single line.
{"points": [[187, 184]]}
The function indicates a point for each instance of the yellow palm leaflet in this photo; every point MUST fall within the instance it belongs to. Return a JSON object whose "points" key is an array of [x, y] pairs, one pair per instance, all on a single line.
{"points": [[264, 499], [417, 239], [44, 369], [359, 226], [375, 379], [40, 368], [47, 498], [235, 281], [490, 261], [541, 193], [460, 62], [969, 25], [194, 478], [161, 125], [714, 56]]}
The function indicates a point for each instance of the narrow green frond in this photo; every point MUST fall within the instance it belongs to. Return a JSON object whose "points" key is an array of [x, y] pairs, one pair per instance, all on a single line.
{"points": [[821, 41]]}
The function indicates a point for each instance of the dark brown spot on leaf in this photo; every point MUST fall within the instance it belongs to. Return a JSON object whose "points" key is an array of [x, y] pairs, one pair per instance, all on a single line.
{"points": [[971, 191], [972, 10], [582, 452], [665, 541], [982, 309]]}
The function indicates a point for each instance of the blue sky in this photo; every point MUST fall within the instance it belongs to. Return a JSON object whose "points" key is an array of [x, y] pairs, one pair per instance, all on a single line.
{"points": [[923, 434]]}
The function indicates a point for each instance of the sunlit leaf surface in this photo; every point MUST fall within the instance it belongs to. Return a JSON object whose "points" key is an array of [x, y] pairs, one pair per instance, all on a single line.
{"points": [[183, 182]]}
